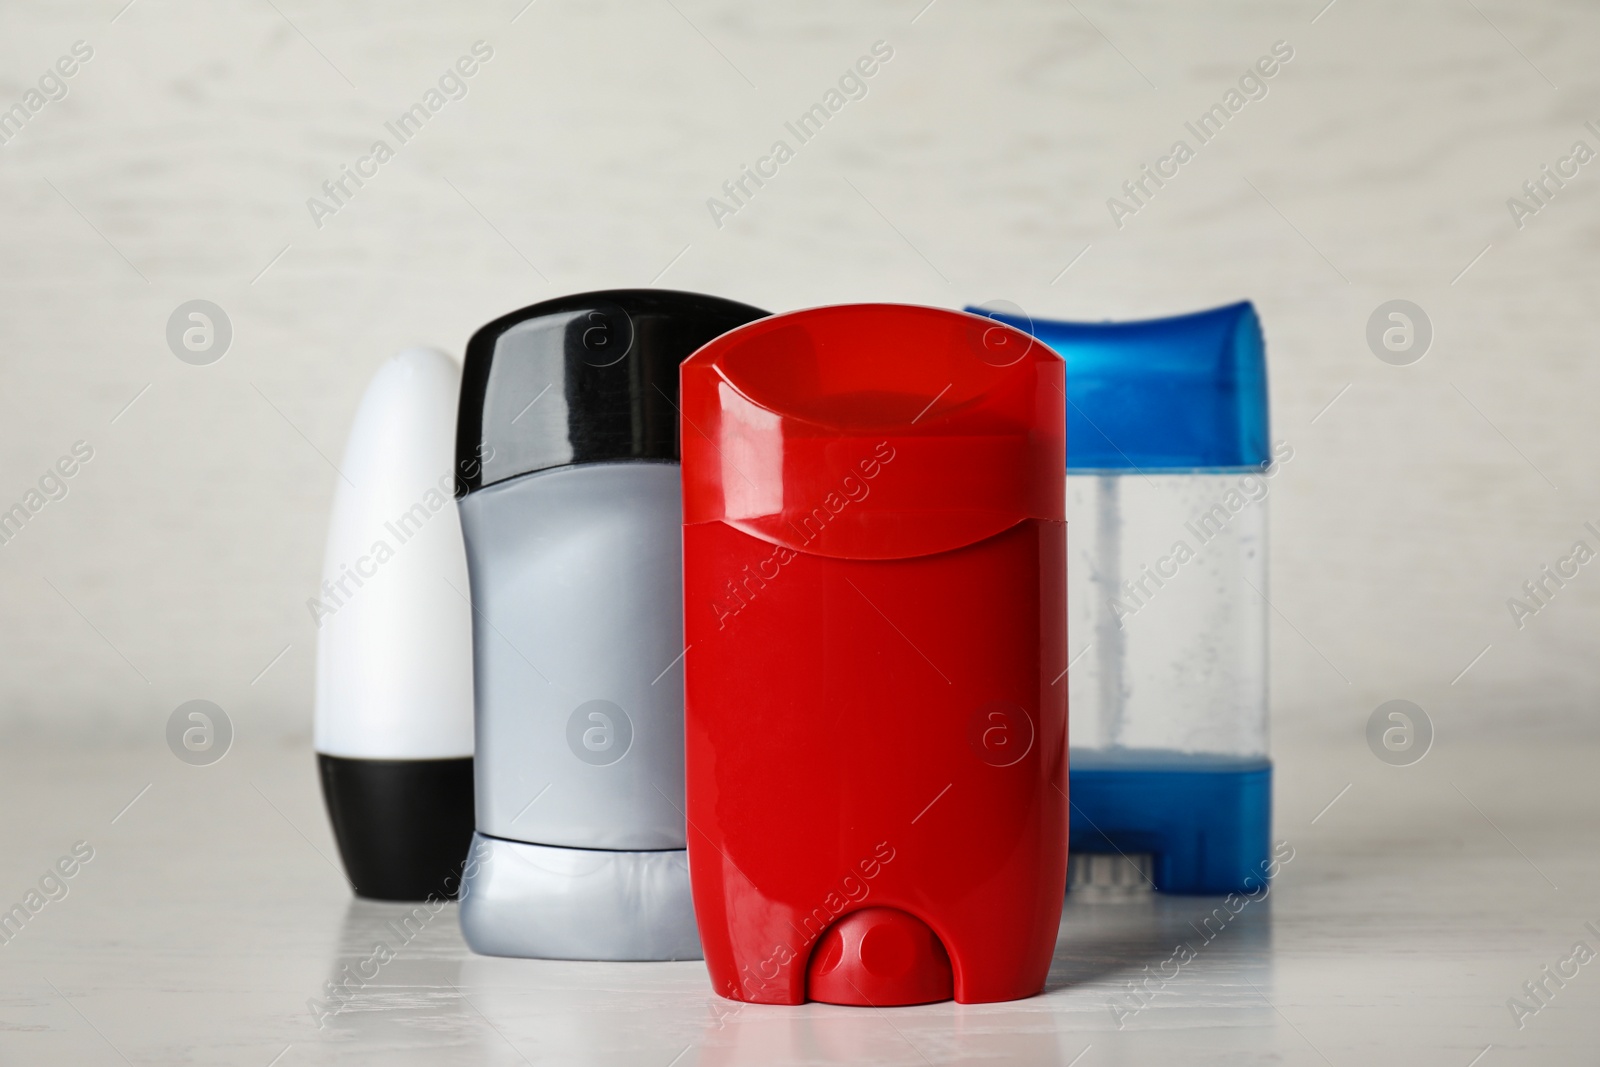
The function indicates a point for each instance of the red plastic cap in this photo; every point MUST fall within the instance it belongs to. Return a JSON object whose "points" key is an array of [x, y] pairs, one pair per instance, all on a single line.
{"points": [[874, 431], [879, 957]]}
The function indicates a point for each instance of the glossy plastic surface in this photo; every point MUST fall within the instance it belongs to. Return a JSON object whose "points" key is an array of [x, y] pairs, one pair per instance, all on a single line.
{"points": [[575, 576], [788, 420], [549, 903], [402, 825], [394, 628], [1205, 821], [882, 949], [874, 579], [1162, 394], [584, 378]]}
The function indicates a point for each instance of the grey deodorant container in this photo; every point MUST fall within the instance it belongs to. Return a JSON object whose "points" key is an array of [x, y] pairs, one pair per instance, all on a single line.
{"points": [[570, 502]]}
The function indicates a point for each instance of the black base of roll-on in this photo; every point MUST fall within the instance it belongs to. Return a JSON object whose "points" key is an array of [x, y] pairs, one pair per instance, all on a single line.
{"points": [[403, 826]]}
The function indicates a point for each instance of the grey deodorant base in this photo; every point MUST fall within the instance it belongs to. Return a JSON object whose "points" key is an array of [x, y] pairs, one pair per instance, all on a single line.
{"points": [[543, 902]]}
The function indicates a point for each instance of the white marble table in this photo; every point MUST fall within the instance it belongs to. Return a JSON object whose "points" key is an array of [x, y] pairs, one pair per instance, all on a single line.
{"points": [[211, 913]]}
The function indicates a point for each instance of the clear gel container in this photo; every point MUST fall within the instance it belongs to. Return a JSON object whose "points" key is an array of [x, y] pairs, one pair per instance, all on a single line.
{"points": [[1168, 474]]}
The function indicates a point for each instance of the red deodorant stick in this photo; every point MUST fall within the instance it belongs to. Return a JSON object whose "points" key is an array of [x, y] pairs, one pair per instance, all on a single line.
{"points": [[876, 711]]}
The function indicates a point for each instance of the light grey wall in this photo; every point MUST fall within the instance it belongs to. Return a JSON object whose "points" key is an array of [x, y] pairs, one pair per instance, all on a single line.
{"points": [[978, 166]]}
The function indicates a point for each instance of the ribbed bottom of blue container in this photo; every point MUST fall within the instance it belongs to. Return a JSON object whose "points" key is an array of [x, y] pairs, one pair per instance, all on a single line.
{"points": [[1204, 821]]}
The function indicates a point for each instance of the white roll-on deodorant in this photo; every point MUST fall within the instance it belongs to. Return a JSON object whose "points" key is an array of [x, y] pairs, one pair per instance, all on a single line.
{"points": [[393, 729]]}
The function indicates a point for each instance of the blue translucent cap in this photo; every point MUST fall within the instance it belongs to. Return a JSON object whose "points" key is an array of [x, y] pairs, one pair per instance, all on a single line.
{"points": [[1163, 394]]}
